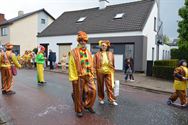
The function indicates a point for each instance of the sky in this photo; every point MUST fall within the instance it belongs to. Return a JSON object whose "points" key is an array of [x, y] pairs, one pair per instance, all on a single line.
{"points": [[169, 9]]}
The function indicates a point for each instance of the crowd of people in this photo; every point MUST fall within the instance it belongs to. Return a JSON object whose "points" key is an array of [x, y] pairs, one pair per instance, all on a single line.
{"points": [[83, 69]]}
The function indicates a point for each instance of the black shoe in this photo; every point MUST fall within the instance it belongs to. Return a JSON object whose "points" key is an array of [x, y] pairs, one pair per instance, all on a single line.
{"points": [[79, 114], [10, 92], [4, 92], [90, 110]]}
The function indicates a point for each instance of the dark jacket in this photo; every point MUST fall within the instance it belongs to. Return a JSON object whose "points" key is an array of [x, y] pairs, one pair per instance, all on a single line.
{"points": [[52, 57]]}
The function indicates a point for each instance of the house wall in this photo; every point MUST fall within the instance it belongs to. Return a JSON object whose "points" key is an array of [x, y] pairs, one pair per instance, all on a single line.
{"points": [[5, 39], [164, 52], [23, 32], [48, 20], [149, 32]]}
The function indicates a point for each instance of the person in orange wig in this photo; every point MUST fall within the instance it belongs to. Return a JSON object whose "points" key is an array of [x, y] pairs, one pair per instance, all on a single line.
{"points": [[81, 75]]}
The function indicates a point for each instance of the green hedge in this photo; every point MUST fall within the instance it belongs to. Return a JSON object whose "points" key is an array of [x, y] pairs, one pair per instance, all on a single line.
{"points": [[171, 63], [165, 72], [164, 68]]}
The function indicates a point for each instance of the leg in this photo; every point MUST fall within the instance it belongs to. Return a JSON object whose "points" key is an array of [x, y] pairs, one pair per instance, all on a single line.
{"points": [[126, 77], [77, 96], [110, 92], [100, 86], [182, 96], [40, 72], [174, 96], [90, 94], [7, 81]]}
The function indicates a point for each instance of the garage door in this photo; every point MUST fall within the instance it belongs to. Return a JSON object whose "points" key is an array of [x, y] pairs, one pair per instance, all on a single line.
{"points": [[64, 49]]}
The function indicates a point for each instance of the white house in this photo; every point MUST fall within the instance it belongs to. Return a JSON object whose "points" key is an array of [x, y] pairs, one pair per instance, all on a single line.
{"points": [[130, 27], [22, 30]]}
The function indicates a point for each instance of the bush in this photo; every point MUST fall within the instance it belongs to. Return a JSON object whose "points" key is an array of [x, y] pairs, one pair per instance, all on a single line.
{"points": [[164, 68], [181, 53], [165, 72]]}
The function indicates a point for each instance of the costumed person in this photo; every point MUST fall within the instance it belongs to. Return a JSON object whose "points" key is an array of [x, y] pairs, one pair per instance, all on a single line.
{"points": [[63, 62], [40, 60], [104, 68], [180, 84], [81, 75], [8, 59]]}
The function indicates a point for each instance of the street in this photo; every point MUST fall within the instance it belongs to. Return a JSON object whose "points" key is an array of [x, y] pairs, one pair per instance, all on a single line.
{"points": [[52, 105]]}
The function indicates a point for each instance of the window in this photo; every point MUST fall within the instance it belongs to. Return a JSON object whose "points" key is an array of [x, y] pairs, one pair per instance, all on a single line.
{"points": [[155, 24], [4, 31], [119, 16], [43, 21], [81, 19]]}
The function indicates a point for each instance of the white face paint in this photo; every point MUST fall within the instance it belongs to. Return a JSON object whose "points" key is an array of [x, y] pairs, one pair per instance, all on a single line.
{"points": [[184, 63], [83, 44], [104, 47]]}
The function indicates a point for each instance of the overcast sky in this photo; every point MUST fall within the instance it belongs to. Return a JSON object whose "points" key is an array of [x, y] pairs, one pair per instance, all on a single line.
{"points": [[169, 9]]}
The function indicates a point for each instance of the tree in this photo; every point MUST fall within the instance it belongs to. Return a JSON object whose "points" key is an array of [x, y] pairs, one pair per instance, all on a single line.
{"points": [[183, 26], [166, 39]]}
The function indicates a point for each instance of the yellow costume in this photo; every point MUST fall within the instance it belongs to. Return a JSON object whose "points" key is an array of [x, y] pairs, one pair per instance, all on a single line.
{"points": [[7, 59], [104, 67], [180, 84], [81, 76]]}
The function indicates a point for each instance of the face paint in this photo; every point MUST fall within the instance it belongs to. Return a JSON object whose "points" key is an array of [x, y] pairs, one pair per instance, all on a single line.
{"points": [[184, 64]]}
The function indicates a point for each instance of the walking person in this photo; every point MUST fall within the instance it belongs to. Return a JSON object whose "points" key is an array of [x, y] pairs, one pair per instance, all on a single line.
{"points": [[104, 67], [81, 75], [180, 84], [40, 60], [7, 60]]}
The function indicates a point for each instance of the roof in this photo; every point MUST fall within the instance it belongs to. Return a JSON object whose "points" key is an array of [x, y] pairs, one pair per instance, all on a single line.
{"points": [[7, 22], [102, 21]]}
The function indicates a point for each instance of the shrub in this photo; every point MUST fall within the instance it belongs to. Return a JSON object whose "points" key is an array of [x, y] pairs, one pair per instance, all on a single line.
{"points": [[164, 68]]}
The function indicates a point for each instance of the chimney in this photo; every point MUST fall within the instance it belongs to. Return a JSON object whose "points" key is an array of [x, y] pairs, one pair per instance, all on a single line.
{"points": [[20, 13], [102, 4], [2, 17]]}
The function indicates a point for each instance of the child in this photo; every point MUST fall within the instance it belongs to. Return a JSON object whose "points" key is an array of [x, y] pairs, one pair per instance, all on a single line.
{"points": [[129, 73], [180, 84]]}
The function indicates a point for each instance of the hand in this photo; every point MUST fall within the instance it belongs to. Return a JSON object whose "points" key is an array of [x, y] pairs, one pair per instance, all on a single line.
{"points": [[184, 79]]}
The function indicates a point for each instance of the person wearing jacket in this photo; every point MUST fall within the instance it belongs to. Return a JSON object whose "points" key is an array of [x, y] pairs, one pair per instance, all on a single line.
{"points": [[8, 59], [104, 67], [52, 59], [81, 75], [180, 84], [40, 60]]}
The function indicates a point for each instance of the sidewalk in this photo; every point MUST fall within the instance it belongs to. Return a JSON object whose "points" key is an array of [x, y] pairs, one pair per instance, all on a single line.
{"points": [[141, 81]]}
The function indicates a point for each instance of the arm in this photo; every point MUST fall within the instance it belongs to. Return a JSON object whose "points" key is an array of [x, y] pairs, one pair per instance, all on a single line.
{"points": [[73, 75], [15, 61]]}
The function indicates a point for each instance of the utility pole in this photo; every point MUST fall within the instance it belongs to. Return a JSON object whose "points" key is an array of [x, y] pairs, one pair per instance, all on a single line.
{"points": [[159, 29]]}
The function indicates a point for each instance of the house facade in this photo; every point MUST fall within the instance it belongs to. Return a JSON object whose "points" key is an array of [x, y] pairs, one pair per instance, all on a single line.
{"points": [[22, 30], [130, 27]]}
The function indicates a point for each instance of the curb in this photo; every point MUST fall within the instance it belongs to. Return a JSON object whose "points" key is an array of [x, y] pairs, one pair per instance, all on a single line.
{"points": [[134, 86], [148, 89]]}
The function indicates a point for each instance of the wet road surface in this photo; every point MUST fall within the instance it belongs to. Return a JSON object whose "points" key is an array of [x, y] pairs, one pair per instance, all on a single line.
{"points": [[52, 105]]}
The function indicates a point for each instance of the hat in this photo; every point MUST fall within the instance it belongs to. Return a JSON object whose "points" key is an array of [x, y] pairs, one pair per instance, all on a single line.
{"points": [[9, 45], [82, 36], [107, 42], [181, 62], [42, 48]]}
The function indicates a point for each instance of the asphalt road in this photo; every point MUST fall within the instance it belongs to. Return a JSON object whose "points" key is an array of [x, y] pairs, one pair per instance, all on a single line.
{"points": [[52, 105]]}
